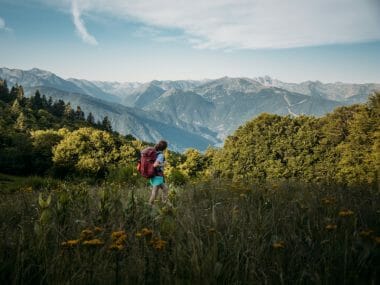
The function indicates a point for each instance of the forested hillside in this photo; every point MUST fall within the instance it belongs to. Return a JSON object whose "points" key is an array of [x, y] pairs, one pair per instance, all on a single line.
{"points": [[38, 136], [30, 128], [341, 147]]}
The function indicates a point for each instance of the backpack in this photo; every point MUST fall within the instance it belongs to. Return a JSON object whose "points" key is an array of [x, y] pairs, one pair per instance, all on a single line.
{"points": [[147, 159]]}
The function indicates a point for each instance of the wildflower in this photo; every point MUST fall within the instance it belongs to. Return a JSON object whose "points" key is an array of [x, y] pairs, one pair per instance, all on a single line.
{"points": [[116, 247], [98, 229], [28, 189], [121, 239], [138, 234], [94, 242], [331, 227], [346, 213], [86, 234], [116, 235], [70, 243], [328, 200], [158, 244], [366, 233], [278, 245], [146, 232]]}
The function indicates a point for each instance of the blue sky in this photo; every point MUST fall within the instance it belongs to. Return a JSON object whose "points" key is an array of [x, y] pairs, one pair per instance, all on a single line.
{"points": [[118, 40]]}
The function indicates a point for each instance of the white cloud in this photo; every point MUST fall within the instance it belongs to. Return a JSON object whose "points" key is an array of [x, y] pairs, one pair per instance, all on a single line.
{"points": [[247, 24], [79, 24], [3, 26]]}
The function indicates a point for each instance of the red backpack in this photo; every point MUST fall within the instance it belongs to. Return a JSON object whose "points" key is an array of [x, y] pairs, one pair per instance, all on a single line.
{"points": [[147, 159]]}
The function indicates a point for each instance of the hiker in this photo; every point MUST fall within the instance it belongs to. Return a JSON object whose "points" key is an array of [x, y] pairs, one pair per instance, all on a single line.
{"points": [[157, 181]]}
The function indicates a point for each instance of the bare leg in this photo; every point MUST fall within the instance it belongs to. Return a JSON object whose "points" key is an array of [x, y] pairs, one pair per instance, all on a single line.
{"points": [[164, 192], [153, 195]]}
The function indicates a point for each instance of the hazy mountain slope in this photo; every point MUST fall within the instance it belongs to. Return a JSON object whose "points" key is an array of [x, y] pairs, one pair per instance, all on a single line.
{"points": [[36, 77], [219, 88], [120, 89], [90, 88], [333, 91], [148, 126], [184, 105], [143, 95]]}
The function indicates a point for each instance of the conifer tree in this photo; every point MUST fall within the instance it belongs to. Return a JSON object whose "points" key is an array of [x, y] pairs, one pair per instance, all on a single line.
{"points": [[69, 112], [106, 124], [16, 107], [90, 119], [79, 114]]}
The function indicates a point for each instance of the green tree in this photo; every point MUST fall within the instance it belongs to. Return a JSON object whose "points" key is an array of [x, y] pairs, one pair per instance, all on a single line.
{"points": [[193, 164], [43, 142], [90, 119], [79, 114], [106, 124], [86, 150]]}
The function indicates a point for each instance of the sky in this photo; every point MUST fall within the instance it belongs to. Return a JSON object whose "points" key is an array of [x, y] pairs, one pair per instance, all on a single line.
{"points": [[135, 40]]}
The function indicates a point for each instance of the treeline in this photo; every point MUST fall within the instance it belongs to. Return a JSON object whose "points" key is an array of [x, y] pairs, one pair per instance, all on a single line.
{"points": [[342, 147], [31, 128], [41, 137]]}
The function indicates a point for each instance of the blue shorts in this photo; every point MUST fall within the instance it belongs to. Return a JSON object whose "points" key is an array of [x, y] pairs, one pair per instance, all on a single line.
{"points": [[156, 180]]}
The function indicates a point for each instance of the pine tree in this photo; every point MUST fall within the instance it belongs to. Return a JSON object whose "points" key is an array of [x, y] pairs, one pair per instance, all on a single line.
{"points": [[4, 91], [69, 112], [58, 108], [106, 124], [21, 122], [16, 107], [79, 114], [90, 119]]}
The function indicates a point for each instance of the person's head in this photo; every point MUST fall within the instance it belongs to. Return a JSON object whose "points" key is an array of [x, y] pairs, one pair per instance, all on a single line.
{"points": [[161, 146]]}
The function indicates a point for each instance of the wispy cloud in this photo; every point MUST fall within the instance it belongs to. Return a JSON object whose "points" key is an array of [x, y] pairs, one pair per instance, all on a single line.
{"points": [[246, 24], [3, 26], [79, 24]]}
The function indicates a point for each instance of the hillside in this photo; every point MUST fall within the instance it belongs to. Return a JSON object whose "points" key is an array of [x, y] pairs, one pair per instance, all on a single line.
{"points": [[204, 112]]}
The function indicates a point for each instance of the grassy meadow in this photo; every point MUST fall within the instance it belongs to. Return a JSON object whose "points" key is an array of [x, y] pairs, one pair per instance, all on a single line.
{"points": [[210, 232]]}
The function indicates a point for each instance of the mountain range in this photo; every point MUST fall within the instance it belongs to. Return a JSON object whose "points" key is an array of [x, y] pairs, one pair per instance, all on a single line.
{"points": [[189, 113]]}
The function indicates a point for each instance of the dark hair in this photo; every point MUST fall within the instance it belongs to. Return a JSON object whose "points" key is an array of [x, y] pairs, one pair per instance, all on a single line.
{"points": [[161, 145]]}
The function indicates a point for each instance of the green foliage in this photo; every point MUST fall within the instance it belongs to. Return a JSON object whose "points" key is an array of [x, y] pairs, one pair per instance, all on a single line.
{"points": [[31, 127], [341, 147], [85, 150], [194, 163], [43, 142]]}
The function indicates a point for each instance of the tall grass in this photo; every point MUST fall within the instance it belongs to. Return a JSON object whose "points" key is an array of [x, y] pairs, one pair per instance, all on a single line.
{"points": [[211, 232]]}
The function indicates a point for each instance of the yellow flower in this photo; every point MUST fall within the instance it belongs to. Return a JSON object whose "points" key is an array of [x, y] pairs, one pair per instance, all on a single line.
{"points": [[278, 245], [138, 234], [116, 247], [146, 232], [86, 234], [98, 229], [366, 233], [331, 227], [94, 242], [116, 235], [346, 213], [70, 243], [121, 240], [328, 200], [28, 189], [158, 244]]}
